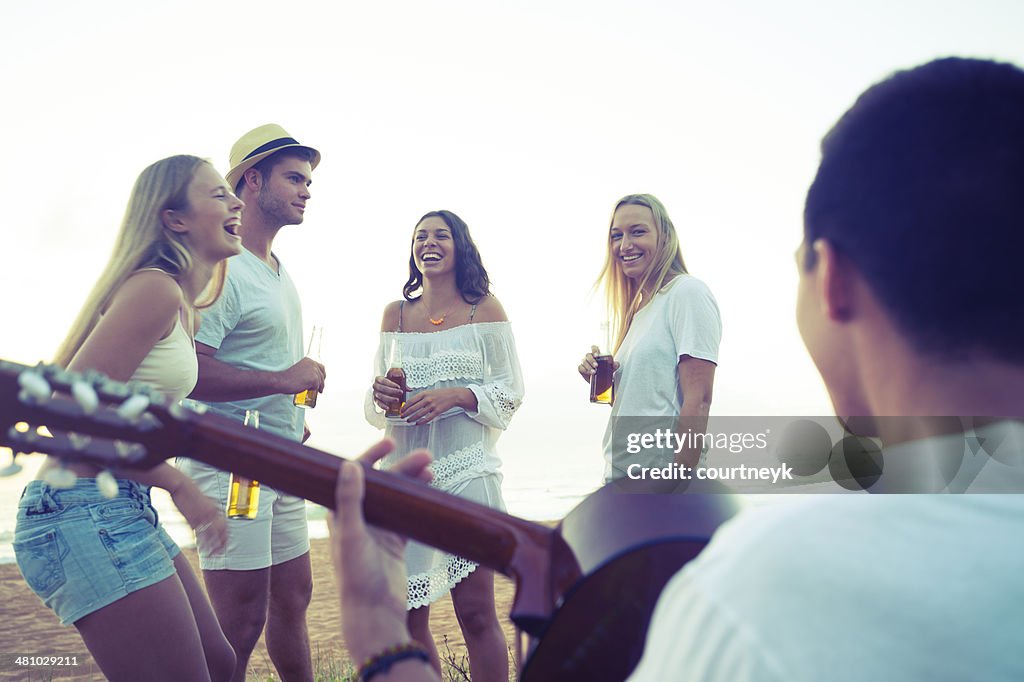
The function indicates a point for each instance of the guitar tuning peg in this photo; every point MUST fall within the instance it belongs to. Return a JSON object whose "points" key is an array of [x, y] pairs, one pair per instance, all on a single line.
{"points": [[115, 389], [139, 387], [34, 388], [57, 374], [125, 450], [107, 484], [29, 436], [14, 436], [49, 369], [86, 396], [93, 376], [78, 441], [180, 409], [132, 408], [13, 467], [60, 478]]}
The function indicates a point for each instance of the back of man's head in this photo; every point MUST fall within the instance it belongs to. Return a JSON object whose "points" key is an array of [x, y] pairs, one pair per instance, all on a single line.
{"points": [[921, 187]]}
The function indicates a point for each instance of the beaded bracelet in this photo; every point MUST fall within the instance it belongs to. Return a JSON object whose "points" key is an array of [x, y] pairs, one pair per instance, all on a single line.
{"points": [[382, 662]]}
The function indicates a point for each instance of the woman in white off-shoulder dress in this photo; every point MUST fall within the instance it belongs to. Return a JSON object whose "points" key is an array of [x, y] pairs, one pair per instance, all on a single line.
{"points": [[455, 346]]}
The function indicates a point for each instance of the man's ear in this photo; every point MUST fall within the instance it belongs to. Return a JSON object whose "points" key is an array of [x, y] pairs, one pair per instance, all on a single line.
{"points": [[253, 179], [173, 220], [836, 281]]}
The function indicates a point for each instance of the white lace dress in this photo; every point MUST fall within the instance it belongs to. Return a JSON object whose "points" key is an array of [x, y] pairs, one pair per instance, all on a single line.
{"points": [[478, 356]]}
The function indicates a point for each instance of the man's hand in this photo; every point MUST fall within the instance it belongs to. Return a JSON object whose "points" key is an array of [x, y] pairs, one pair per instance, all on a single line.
{"points": [[220, 382], [369, 562], [305, 374]]}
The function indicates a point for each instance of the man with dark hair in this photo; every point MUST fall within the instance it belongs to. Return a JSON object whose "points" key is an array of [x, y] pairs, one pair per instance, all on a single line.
{"points": [[911, 308], [250, 348]]}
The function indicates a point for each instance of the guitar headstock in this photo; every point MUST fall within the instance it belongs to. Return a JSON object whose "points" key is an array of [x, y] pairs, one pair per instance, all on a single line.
{"points": [[83, 417]]}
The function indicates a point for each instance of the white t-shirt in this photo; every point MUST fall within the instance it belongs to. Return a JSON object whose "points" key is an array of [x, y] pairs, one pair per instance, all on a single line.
{"points": [[257, 324], [854, 587], [681, 319]]}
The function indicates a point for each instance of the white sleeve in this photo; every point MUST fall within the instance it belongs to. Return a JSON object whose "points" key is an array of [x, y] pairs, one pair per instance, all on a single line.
{"points": [[693, 637], [374, 415], [500, 393], [695, 320]]}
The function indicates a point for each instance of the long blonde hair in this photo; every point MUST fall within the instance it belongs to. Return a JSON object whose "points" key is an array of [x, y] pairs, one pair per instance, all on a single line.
{"points": [[144, 242], [624, 296]]}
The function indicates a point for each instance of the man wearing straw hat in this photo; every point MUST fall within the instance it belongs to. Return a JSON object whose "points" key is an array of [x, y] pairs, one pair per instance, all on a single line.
{"points": [[251, 358]]}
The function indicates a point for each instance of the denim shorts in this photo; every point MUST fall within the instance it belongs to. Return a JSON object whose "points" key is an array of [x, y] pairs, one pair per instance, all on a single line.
{"points": [[80, 551]]}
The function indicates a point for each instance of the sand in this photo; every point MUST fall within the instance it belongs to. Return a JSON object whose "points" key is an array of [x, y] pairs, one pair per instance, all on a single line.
{"points": [[27, 627]]}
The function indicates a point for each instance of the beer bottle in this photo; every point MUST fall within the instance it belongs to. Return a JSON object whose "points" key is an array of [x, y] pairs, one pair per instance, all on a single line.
{"points": [[397, 375], [244, 493], [307, 399]]}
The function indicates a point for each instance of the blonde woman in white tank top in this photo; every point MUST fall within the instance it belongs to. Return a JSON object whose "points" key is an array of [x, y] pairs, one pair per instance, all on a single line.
{"points": [[107, 566]]}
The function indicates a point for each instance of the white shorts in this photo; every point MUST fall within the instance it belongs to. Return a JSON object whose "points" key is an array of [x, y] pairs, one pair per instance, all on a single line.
{"points": [[279, 533]]}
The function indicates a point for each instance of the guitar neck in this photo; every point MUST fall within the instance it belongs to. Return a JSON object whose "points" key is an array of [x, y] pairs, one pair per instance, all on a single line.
{"points": [[411, 508]]}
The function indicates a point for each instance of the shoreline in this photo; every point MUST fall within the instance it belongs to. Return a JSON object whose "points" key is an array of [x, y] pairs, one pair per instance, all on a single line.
{"points": [[29, 628]]}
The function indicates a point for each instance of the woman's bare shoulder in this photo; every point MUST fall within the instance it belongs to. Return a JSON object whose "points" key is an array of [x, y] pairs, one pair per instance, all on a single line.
{"points": [[489, 309], [392, 313], [152, 289]]}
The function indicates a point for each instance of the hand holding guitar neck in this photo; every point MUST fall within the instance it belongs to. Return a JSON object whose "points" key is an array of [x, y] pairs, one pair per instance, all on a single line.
{"points": [[369, 561]]}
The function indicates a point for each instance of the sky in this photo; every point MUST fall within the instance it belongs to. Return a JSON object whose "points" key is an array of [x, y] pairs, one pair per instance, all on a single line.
{"points": [[528, 119]]}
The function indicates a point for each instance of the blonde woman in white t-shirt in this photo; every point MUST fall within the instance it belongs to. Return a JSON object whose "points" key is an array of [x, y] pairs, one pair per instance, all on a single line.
{"points": [[666, 327]]}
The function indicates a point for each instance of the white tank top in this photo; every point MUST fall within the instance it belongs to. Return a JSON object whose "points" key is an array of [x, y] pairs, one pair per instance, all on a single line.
{"points": [[171, 366]]}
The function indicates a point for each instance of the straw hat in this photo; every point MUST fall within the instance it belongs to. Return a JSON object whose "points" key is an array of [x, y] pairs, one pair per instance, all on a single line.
{"points": [[258, 144]]}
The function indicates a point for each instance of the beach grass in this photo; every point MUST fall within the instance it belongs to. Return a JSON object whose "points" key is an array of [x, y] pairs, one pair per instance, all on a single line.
{"points": [[332, 667], [328, 666]]}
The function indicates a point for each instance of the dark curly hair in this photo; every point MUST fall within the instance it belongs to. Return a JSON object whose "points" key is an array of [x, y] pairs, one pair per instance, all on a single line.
{"points": [[470, 276]]}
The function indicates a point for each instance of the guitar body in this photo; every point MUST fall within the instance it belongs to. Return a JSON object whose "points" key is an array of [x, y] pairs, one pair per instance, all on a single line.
{"points": [[628, 547], [585, 591]]}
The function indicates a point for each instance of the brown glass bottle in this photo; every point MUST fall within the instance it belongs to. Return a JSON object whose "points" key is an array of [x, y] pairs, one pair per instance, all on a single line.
{"points": [[602, 385], [397, 375]]}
